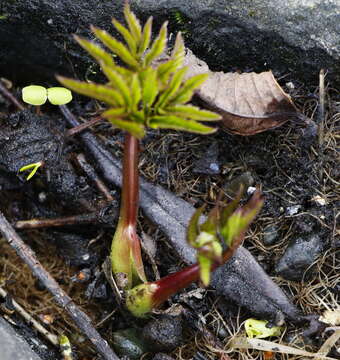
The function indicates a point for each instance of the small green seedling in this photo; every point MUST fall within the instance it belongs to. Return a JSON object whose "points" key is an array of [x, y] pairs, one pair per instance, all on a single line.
{"points": [[37, 95], [33, 166]]}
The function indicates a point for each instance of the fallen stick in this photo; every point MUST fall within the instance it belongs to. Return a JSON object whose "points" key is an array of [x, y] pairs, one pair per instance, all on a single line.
{"points": [[92, 175], [10, 97], [41, 329], [321, 121], [78, 316], [94, 218]]}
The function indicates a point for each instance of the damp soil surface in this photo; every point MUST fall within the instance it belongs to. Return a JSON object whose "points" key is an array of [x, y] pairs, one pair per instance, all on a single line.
{"points": [[298, 174]]}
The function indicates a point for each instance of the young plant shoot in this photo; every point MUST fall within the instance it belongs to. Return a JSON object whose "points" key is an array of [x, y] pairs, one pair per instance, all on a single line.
{"points": [[226, 224], [144, 93], [37, 95]]}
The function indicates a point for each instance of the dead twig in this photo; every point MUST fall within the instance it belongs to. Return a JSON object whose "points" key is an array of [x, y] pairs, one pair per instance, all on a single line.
{"points": [[78, 316], [321, 120], [10, 97], [96, 217], [52, 338], [79, 128], [91, 173]]}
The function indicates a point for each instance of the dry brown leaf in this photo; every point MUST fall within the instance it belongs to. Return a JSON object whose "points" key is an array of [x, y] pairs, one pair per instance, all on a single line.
{"points": [[249, 103]]}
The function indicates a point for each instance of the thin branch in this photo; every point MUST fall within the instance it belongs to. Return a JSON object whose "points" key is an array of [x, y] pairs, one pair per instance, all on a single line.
{"points": [[10, 97], [321, 120], [92, 175], [97, 217], [78, 316], [52, 338], [79, 128]]}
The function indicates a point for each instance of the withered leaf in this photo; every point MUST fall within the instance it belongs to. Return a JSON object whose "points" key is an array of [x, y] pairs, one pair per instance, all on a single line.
{"points": [[249, 103]]}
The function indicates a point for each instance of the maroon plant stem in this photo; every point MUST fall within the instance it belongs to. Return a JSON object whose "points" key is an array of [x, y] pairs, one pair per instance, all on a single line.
{"points": [[129, 207], [175, 282], [130, 189]]}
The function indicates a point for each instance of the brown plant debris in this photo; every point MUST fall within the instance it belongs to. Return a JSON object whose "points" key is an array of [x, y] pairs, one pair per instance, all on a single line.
{"points": [[249, 103]]}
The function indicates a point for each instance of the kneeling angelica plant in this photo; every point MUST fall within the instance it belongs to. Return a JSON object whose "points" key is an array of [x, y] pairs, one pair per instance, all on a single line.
{"points": [[150, 93], [141, 94]]}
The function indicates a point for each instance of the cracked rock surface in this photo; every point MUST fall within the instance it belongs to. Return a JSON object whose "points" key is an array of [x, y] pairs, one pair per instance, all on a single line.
{"points": [[296, 36]]}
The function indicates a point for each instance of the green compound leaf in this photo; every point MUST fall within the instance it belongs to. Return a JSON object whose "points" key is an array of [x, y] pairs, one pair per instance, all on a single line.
{"points": [[223, 223], [209, 251], [34, 95], [133, 128], [59, 95], [95, 51], [205, 269], [177, 123], [158, 46], [133, 22], [193, 227], [149, 86], [143, 92], [187, 89], [238, 222], [99, 92], [118, 82], [178, 51], [165, 70], [115, 46], [136, 92], [114, 112], [138, 116], [193, 112], [171, 88], [146, 37], [128, 37]]}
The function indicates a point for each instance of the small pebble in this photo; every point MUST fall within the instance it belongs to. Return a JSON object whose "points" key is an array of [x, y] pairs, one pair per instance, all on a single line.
{"points": [[319, 200], [128, 343], [300, 254], [293, 210], [163, 333], [251, 190], [270, 235]]}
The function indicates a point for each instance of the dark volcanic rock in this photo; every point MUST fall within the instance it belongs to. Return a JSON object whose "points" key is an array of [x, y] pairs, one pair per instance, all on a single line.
{"points": [[299, 255], [27, 138], [208, 164], [242, 279], [128, 343], [36, 36], [270, 235], [14, 346], [299, 36], [164, 333]]}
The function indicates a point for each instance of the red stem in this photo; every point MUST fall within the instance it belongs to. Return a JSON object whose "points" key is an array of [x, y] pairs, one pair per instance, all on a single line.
{"points": [[175, 282], [130, 189]]}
